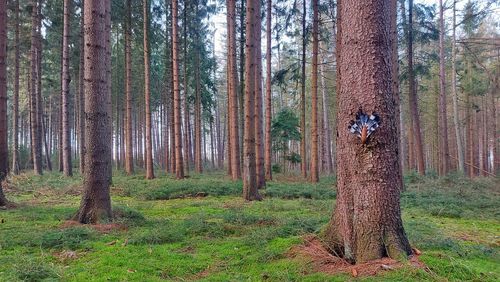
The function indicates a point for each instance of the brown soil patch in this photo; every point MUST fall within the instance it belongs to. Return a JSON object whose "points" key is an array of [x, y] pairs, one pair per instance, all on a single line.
{"points": [[102, 228], [321, 260]]}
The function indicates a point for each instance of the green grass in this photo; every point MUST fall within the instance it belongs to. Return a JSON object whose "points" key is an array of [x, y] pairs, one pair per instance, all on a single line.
{"points": [[201, 229]]}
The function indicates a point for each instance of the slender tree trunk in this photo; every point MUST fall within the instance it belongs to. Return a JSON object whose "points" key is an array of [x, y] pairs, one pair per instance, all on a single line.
{"points": [[15, 106], [232, 80], [303, 164], [267, 145], [35, 122], [314, 97], [4, 147], [456, 117], [250, 188], [241, 93], [259, 131], [129, 155], [96, 200], [66, 134], [416, 132], [443, 128], [81, 93], [327, 132], [367, 223], [179, 165], [147, 95]]}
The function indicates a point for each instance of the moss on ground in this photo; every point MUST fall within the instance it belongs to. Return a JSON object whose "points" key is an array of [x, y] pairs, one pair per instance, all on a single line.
{"points": [[201, 229]]}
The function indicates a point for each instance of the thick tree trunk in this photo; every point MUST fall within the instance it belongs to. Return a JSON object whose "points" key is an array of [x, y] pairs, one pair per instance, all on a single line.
{"points": [[66, 136], [303, 164], [314, 97], [179, 165], [267, 144], [367, 223], [96, 200], [232, 80], [147, 94], [250, 188], [416, 132], [129, 154], [443, 119]]}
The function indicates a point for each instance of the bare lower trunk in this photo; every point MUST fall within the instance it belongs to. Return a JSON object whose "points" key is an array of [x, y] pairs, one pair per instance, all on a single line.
{"points": [[458, 127], [36, 143], [314, 98], [15, 106], [367, 223], [147, 95], [129, 154], [179, 165], [303, 164], [443, 124], [4, 147], [96, 202], [67, 164]]}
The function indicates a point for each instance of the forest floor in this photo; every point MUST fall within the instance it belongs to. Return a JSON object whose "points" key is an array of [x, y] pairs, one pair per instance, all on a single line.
{"points": [[201, 229]]}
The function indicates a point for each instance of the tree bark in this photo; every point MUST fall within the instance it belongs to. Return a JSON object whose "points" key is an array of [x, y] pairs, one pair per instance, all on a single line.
{"points": [[367, 223], [4, 147], [259, 131], [250, 188], [179, 165], [15, 106], [96, 201], [129, 153], [66, 134], [303, 164], [197, 101], [416, 132], [81, 93], [232, 80], [314, 97], [36, 138], [147, 94], [443, 119], [268, 144]]}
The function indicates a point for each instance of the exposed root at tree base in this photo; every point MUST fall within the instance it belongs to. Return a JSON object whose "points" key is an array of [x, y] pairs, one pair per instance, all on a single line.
{"points": [[321, 260], [102, 228]]}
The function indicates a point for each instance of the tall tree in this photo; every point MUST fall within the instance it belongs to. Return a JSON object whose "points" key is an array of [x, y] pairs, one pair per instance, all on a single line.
{"points": [[179, 166], [81, 94], [67, 164], [197, 101], [443, 119], [250, 188], [415, 118], [129, 151], [232, 79], [96, 201], [15, 106], [35, 104], [303, 164], [267, 145], [456, 117], [367, 223], [314, 97], [147, 93], [4, 158], [259, 131]]}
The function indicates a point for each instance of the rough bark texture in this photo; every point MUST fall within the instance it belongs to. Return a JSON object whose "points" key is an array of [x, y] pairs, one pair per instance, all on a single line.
{"points": [[36, 138], [232, 78], [416, 133], [15, 106], [250, 188], [367, 223], [129, 153], [96, 201], [443, 120], [303, 164], [259, 131], [67, 164], [4, 158], [179, 166], [267, 144], [314, 98], [197, 104], [147, 94]]}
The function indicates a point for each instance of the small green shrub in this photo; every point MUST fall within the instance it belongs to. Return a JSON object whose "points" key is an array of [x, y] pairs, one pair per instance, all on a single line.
{"points": [[71, 238]]}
